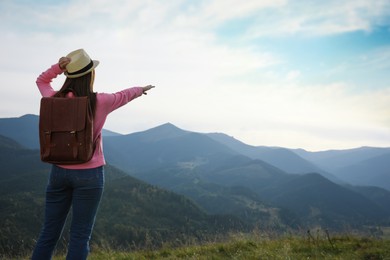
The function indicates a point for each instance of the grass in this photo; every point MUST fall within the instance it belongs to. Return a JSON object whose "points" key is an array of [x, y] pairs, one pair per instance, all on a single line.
{"points": [[241, 247]]}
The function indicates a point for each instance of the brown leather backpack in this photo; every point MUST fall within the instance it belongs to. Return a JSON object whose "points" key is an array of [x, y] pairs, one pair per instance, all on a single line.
{"points": [[66, 130]]}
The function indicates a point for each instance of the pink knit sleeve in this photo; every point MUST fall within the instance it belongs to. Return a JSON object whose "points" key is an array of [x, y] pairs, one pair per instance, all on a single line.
{"points": [[44, 80], [118, 99]]}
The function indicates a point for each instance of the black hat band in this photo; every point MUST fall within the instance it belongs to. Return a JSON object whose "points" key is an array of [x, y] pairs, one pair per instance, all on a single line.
{"points": [[86, 68]]}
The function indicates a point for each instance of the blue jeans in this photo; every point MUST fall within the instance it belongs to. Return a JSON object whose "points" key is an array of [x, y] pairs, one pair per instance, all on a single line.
{"points": [[81, 190]]}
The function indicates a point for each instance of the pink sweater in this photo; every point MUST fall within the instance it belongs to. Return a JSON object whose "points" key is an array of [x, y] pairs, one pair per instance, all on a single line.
{"points": [[105, 104]]}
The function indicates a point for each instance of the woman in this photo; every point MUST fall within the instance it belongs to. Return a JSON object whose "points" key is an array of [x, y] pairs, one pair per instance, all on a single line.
{"points": [[79, 186]]}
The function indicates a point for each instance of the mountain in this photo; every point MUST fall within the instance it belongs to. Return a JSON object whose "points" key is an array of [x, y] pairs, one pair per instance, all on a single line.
{"points": [[282, 158], [12, 154], [360, 166], [378, 195], [217, 198], [131, 212], [370, 172], [8, 144], [162, 146], [24, 129], [220, 176], [327, 163], [178, 160], [334, 205], [335, 159], [191, 163]]}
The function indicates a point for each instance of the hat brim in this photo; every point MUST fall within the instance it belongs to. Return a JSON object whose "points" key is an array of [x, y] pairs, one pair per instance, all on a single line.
{"points": [[95, 64]]}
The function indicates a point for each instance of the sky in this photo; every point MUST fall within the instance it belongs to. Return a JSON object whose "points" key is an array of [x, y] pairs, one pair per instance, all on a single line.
{"points": [[295, 74]]}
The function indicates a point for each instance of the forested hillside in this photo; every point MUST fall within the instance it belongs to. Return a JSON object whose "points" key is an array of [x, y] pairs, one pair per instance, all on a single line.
{"points": [[132, 213], [166, 185]]}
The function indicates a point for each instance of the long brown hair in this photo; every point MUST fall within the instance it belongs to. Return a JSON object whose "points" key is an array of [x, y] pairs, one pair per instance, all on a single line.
{"points": [[80, 87]]}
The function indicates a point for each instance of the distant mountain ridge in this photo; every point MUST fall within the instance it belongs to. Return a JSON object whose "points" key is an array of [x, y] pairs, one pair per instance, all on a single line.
{"points": [[360, 166], [250, 182], [161, 146], [340, 166], [282, 158], [164, 131], [335, 159], [336, 165]]}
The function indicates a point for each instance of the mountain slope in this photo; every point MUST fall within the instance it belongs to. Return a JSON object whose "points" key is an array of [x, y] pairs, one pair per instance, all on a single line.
{"points": [[15, 160], [334, 205], [319, 200], [135, 212], [335, 159], [254, 174], [217, 198], [162, 146], [24, 129], [282, 158], [378, 195], [131, 213], [371, 172]]}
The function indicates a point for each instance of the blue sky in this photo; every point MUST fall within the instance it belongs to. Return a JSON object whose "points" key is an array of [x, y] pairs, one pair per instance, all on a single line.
{"points": [[297, 74]]}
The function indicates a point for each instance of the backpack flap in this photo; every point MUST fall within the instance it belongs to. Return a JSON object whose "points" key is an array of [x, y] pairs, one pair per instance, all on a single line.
{"points": [[63, 114]]}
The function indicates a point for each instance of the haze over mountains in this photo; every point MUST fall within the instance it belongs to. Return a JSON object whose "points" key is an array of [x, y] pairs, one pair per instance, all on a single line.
{"points": [[216, 175]]}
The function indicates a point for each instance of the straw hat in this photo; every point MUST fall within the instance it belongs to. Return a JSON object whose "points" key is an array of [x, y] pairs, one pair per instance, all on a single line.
{"points": [[80, 64]]}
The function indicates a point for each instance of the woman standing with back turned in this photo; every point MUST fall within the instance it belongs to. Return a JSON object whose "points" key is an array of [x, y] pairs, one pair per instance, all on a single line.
{"points": [[78, 186]]}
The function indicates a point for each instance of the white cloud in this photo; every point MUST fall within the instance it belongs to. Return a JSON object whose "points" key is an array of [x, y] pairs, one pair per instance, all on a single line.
{"points": [[377, 59], [315, 18], [315, 117], [213, 13], [292, 75]]}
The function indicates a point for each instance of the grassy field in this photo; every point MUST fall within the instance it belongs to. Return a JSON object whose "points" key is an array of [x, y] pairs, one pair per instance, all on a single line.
{"points": [[341, 247]]}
